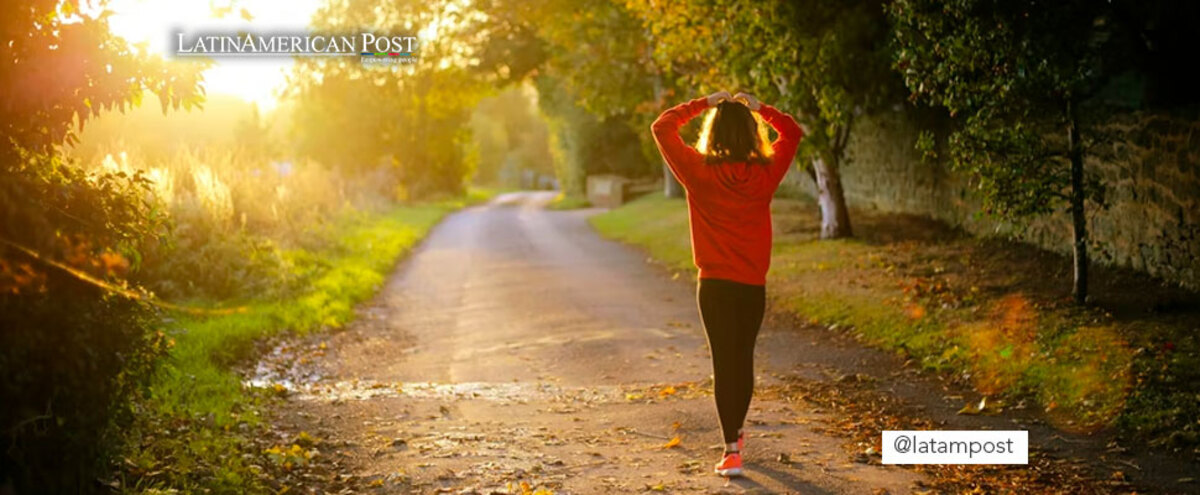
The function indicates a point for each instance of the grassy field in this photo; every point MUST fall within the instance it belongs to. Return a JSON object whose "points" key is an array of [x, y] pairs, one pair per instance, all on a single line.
{"points": [[990, 314], [199, 422]]}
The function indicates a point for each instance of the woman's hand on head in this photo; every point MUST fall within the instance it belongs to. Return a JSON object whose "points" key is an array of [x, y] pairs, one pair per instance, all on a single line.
{"points": [[718, 97], [749, 100]]}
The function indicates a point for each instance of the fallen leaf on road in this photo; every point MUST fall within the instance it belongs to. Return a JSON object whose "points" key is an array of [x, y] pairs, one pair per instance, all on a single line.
{"points": [[673, 443], [983, 407], [528, 490], [305, 440], [668, 390], [690, 466]]}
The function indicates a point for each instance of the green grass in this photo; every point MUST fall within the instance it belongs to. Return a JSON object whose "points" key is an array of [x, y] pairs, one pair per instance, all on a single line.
{"points": [[198, 419], [979, 312], [658, 224], [565, 202]]}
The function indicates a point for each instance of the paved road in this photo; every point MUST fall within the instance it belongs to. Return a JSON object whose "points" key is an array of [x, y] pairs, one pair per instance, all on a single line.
{"points": [[517, 345]]}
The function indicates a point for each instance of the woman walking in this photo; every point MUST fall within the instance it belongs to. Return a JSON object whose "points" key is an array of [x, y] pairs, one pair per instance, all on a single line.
{"points": [[730, 178]]}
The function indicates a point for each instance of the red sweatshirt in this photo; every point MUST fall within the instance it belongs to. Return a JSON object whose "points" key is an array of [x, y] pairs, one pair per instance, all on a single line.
{"points": [[728, 204]]}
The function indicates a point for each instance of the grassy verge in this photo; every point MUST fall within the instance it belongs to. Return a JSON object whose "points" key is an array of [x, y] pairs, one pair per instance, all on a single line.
{"points": [[565, 202], [199, 426], [990, 314]]}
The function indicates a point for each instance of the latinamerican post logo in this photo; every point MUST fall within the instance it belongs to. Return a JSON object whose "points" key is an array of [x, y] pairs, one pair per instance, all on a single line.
{"points": [[371, 48]]}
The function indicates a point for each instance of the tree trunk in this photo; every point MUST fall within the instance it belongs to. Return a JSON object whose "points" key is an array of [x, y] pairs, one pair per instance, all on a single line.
{"points": [[671, 187], [835, 218], [1078, 220]]}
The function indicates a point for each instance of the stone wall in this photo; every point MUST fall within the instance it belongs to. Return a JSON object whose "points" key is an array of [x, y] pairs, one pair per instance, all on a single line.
{"points": [[1152, 174]]}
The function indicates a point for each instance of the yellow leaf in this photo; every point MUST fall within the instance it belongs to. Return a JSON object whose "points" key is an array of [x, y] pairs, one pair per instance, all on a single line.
{"points": [[983, 407], [673, 443], [304, 437]]}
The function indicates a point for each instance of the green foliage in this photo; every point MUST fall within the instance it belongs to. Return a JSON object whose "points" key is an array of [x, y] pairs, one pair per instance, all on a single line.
{"points": [[233, 216], [1009, 71], [412, 117], [71, 351], [62, 64], [70, 364], [825, 60], [596, 85], [584, 144], [511, 136], [600, 53], [1027, 81]]}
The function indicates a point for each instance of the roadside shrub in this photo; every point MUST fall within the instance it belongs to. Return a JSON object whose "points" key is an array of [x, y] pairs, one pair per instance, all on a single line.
{"points": [[71, 348]]}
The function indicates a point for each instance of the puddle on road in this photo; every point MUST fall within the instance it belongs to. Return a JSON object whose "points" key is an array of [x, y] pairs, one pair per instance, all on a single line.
{"points": [[287, 369], [290, 368], [344, 390]]}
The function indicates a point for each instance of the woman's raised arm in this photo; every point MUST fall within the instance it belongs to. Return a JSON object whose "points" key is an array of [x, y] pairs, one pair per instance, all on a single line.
{"points": [[680, 157], [790, 133]]}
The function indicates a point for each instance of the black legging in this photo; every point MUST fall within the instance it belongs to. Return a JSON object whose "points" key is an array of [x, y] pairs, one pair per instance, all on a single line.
{"points": [[732, 313]]}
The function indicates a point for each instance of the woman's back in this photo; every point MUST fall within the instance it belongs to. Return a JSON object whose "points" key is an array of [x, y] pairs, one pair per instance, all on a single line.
{"points": [[728, 202]]}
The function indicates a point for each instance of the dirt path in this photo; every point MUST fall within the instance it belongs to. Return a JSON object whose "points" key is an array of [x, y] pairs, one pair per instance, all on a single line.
{"points": [[515, 345]]}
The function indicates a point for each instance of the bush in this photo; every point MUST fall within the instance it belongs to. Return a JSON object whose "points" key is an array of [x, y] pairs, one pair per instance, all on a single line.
{"points": [[70, 357], [75, 341]]}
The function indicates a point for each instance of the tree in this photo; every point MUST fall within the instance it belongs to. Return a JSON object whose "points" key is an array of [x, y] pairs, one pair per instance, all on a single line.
{"points": [[584, 143], [1020, 77], [412, 117], [825, 59], [587, 61], [511, 137]]}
